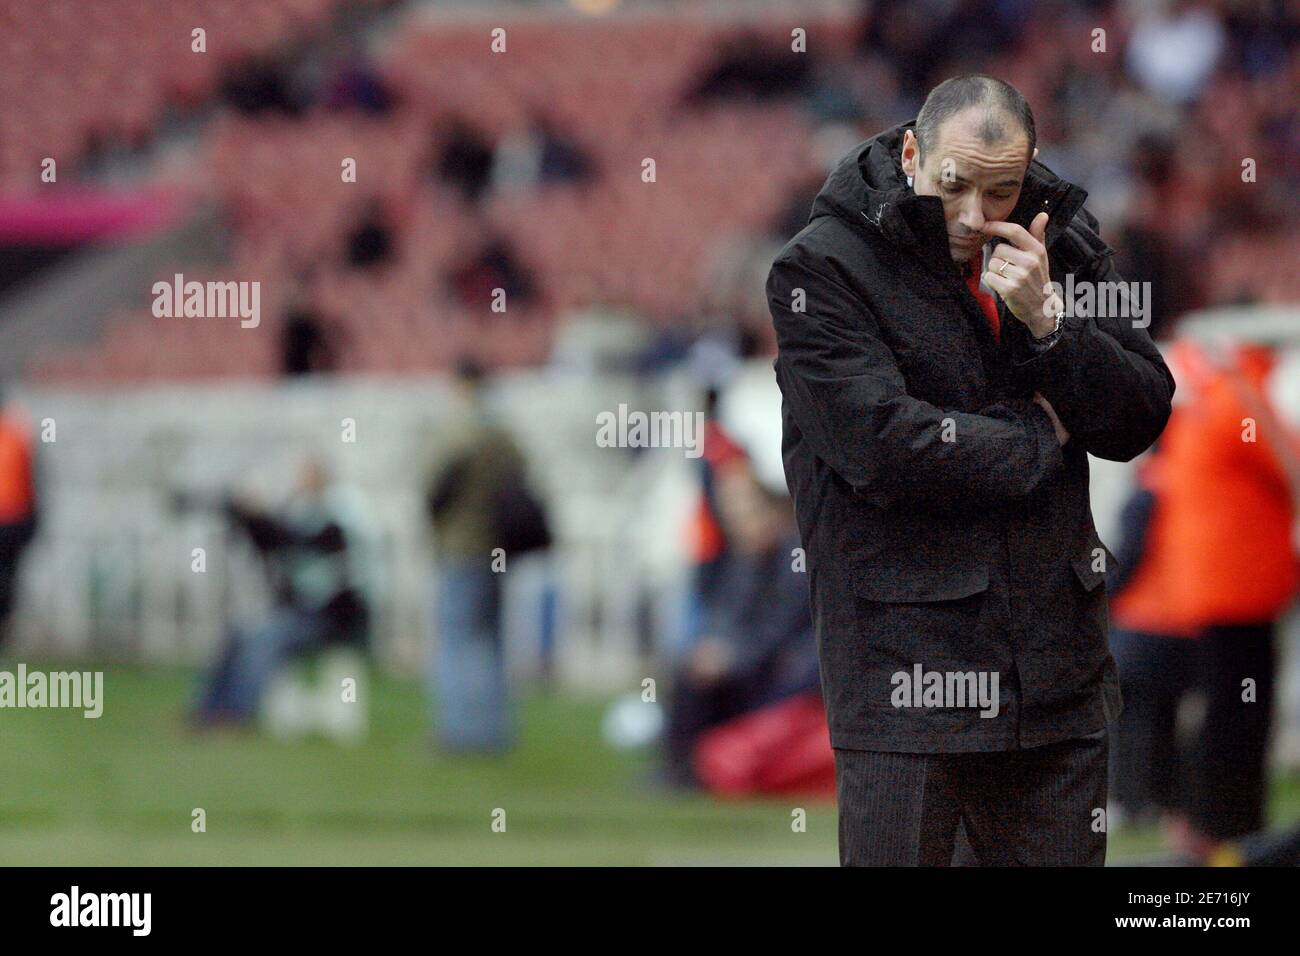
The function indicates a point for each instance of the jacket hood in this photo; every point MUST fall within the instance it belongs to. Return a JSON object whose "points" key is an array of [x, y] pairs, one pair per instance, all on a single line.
{"points": [[868, 190]]}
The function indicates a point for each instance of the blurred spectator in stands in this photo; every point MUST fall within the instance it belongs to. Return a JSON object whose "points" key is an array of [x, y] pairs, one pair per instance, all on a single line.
{"points": [[749, 67], [832, 95], [539, 153], [1174, 47], [1259, 36], [18, 512], [355, 84], [259, 84], [798, 207], [1217, 567], [311, 548], [756, 646], [917, 38], [371, 241], [474, 281], [482, 515], [825, 149], [1150, 245], [465, 160], [307, 344], [737, 299]]}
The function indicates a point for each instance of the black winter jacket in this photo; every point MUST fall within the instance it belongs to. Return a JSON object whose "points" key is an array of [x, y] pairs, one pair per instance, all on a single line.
{"points": [[944, 524]]}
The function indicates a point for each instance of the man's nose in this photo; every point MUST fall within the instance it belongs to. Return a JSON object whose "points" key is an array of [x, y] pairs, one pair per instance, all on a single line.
{"points": [[972, 217]]}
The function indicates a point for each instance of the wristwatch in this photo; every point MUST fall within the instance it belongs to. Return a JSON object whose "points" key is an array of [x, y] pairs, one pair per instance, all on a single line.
{"points": [[1051, 338]]}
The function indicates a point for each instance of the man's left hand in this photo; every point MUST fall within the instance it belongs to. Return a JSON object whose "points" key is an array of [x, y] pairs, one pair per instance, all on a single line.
{"points": [[1018, 272]]}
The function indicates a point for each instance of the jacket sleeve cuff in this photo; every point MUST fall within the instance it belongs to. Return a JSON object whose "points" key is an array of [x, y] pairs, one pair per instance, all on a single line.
{"points": [[1039, 346], [1040, 360]]}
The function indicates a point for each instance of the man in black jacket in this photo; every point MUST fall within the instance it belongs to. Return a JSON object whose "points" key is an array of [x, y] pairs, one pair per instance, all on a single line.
{"points": [[937, 419]]}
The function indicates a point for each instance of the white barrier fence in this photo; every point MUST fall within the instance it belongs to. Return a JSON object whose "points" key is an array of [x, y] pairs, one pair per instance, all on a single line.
{"points": [[110, 572]]}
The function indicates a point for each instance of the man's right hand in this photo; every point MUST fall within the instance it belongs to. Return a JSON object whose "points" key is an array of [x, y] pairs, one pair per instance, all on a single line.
{"points": [[1062, 435]]}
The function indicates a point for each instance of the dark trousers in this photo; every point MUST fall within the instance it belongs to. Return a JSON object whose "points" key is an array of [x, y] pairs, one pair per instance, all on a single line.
{"points": [[693, 709], [1231, 772], [1036, 807], [1220, 778], [1149, 764], [14, 539]]}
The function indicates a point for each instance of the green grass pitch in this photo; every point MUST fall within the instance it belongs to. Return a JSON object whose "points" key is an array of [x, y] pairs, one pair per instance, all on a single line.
{"points": [[121, 790]]}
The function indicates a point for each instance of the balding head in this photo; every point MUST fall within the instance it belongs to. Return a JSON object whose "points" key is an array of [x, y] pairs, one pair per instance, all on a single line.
{"points": [[1003, 112]]}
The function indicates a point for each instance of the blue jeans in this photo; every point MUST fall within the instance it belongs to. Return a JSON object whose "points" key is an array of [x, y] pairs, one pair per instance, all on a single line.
{"points": [[468, 680], [251, 657]]}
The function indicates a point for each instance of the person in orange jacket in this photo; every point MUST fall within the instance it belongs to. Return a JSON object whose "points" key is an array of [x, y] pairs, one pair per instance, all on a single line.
{"points": [[18, 515], [1218, 568]]}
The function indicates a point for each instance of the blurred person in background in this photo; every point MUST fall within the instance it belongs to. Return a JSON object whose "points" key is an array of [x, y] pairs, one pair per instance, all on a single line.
{"points": [[308, 344], [1159, 664], [751, 68], [476, 277], [370, 244], [18, 513], [710, 548], [736, 299], [1217, 571], [482, 516], [354, 83], [464, 159], [755, 645], [311, 551], [264, 83], [536, 153]]}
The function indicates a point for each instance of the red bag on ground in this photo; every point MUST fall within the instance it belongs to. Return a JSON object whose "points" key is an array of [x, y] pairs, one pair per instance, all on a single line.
{"points": [[784, 748]]}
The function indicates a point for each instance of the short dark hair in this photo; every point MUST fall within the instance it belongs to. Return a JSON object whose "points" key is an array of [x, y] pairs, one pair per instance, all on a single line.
{"points": [[975, 89]]}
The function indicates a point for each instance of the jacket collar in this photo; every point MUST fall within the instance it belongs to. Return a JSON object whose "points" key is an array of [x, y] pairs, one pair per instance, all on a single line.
{"points": [[868, 189]]}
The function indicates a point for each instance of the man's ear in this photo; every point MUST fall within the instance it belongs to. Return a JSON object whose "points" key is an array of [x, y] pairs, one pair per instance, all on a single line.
{"points": [[910, 153]]}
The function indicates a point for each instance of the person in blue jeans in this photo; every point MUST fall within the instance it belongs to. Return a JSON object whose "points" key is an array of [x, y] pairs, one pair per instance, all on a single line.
{"points": [[250, 657], [469, 666], [309, 549], [477, 477]]}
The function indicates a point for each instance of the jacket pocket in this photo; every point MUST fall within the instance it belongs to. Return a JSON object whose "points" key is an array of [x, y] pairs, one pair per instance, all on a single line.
{"points": [[943, 620], [909, 585]]}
